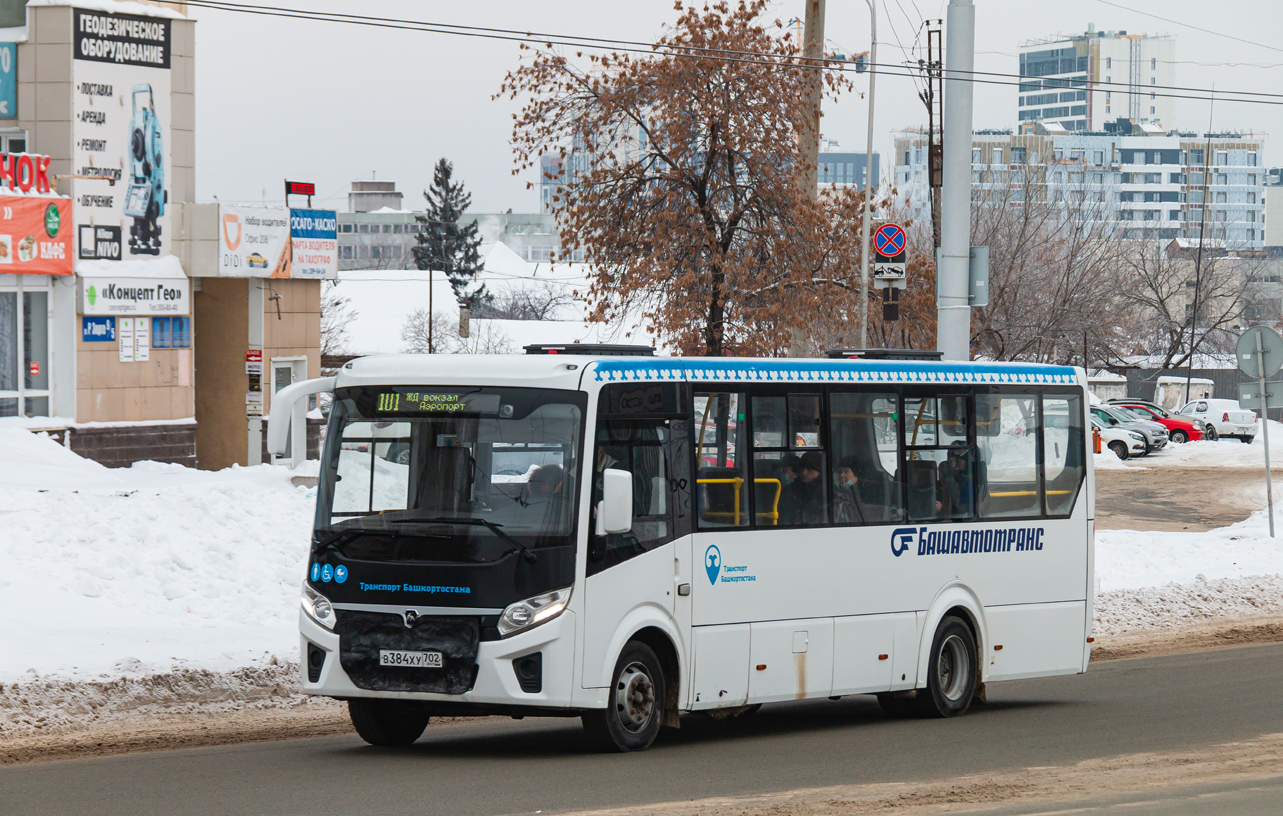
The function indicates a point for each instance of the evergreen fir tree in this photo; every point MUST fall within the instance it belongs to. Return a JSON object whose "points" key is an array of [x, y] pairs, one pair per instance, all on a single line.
{"points": [[443, 243]]}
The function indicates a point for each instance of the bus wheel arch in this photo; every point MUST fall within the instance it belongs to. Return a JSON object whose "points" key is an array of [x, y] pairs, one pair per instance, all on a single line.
{"points": [[959, 601]]}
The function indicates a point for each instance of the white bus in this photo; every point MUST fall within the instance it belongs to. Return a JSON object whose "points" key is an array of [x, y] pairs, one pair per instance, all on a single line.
{"points": [[628, 538]]}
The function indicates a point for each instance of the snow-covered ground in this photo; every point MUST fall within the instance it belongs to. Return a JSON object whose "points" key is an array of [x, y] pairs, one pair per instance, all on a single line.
{"points": [[139, 571], [145, 569], [1221, 453]]}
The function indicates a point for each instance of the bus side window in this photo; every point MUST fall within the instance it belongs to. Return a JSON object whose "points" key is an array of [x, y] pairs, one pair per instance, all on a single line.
{"points": [[940, 463], [1064, 452], [865, 434], [720, 448], [1007, 471], [644, 449]]}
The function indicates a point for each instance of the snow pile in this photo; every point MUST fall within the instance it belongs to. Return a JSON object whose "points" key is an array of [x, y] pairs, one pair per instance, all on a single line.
{"points": [[148, 569], [1173, 606], [1221, 453]]}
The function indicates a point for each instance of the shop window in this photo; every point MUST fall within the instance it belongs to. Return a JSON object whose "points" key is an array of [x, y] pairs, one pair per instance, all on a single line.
{"points": [[24, 353], [171, 332]]}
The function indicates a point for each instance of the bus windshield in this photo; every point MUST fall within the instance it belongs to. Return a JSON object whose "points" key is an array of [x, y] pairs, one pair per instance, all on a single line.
{"points": [[449, 474]]}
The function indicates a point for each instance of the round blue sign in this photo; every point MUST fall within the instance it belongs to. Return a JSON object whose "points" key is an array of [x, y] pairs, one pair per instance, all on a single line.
{"points": [[889, 240], [340, 574], [327, 572], [316, 572]]}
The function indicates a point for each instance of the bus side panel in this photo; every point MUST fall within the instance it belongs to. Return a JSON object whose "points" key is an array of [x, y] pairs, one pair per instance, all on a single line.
{"points": [[1035, 639], [862, 649], [638, 592], [721, 666]]}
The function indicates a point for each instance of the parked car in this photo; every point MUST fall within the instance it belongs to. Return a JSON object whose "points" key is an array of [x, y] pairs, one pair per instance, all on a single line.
{"points": [[1180, 429], [1226, 416], [1124, 443], [1111, 415]]}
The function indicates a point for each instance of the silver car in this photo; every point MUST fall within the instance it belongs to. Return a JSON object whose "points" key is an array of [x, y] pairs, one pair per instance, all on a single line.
{"points": [[1155, 434]]}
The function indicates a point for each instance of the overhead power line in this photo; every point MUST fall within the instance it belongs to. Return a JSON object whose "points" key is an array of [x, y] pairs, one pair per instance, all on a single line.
{"points": [[695, 52], [1199, 27]]}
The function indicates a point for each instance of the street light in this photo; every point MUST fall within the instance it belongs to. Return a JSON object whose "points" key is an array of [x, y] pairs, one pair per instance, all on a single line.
{"points": [[868, 180]]}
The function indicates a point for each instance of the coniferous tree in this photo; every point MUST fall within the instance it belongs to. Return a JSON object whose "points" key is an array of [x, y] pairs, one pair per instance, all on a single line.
{"points": [[443, 243]]}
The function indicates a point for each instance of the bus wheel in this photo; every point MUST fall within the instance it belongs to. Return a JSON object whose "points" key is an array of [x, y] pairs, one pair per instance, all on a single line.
{"points": [[951, 674], [387, 722], [635, 708]]}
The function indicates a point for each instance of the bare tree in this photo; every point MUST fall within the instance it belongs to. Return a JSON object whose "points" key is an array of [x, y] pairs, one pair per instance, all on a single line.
{"points": [[336, 314], [1159, 294], [483, 337], [544, 301]]}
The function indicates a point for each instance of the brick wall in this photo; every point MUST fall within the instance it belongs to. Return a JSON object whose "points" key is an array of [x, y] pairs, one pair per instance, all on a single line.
{"points": [[122, 446]]}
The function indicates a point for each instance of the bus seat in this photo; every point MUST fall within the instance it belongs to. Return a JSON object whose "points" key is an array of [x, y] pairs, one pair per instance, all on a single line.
{"points": [[923, 489]]}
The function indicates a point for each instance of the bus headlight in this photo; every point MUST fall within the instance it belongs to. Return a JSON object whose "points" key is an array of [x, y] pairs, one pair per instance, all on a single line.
{"points": [[533, 611], [317, 607]]}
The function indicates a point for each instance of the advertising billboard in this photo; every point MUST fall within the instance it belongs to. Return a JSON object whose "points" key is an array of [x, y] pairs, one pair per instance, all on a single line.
{"points": [[121, 136], [35, 235], [8, 80], [314, 235], [254, 242]]}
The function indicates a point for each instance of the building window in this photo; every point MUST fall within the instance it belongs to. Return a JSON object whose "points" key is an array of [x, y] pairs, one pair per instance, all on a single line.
{"points": [[1222, 158], [1251, 158], [1251, 198], [1251, 235], [1196, 157], [976, 155], [345, 228], [1221, 178], [171, 332], [1018, 155], [1153, 81], [1251, 216], [345, 252], [397, 228], [997, 155], [1109, 62], [1106, 109], [363, 228]]}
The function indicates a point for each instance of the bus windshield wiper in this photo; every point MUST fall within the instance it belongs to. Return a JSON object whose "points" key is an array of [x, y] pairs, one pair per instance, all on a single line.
{"points": [[530, 555], [343, 537]]}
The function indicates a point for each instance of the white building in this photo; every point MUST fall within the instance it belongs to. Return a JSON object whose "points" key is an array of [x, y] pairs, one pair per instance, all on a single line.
{"points": [[1149, 184], [1081, 82]]}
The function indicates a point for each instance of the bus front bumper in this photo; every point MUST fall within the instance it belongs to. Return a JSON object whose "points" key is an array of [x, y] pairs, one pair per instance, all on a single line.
{"points": [[497, 680]]}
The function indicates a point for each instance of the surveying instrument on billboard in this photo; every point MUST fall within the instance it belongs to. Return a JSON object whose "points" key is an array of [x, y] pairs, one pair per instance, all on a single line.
{"points": [[890, 248]]}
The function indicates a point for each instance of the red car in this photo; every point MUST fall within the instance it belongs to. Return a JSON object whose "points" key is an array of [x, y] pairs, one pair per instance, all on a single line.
{"points": [[1180, 430]]}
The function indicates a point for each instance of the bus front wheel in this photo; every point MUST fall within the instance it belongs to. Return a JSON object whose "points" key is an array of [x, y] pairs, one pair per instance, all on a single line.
{"points": [[635, 706], [387, 722], [952, 672]]}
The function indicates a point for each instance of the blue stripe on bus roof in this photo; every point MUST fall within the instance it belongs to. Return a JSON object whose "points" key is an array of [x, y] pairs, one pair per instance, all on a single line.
{"points": [[863, 371]]}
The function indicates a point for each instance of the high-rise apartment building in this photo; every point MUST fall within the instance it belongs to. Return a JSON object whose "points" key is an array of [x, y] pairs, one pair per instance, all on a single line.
{"points": [[1143, 185], [1081, 82]]}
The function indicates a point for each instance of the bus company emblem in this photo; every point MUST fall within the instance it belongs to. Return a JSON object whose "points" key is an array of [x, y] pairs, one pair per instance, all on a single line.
{"points": [[410, 617], [712, 562], [901, 539]]}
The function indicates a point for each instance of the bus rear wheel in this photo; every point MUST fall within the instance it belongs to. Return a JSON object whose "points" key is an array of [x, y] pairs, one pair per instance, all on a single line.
{"points": [[635, 707], [952, 672], [387, 722]]}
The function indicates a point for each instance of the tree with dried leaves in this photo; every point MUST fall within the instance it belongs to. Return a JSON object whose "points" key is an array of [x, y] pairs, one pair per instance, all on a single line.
{"points": [[689, 205], [528, 301]]}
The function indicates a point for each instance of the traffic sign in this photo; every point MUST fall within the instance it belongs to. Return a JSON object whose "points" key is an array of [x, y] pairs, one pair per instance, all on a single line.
{"points": [[1249, 394], [889, 241], [1270, 352]]}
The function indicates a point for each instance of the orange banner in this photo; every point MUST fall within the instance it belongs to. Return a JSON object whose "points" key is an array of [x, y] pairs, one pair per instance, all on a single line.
{"points": [[35, 235]]}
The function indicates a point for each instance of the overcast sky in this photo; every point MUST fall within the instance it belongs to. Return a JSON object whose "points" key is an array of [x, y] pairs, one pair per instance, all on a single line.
{"points": [[329, 103]]}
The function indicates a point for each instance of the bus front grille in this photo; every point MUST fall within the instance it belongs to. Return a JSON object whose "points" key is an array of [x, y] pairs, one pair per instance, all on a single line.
{"points": [[362, 635]]}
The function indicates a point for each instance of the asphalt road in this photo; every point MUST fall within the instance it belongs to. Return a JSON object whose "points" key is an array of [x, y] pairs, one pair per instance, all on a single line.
{"points": [[504, 766]]}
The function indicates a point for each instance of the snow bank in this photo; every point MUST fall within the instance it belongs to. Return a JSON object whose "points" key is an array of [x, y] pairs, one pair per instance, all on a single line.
{"points": [[1221, 453], [147, 569]]}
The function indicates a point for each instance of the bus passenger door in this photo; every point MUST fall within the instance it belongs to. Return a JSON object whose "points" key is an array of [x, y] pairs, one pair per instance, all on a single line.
{"points": [[638, 573]]}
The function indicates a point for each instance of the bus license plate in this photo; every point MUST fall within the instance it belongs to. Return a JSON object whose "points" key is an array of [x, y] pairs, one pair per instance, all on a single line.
{"points": [[414, 660]]}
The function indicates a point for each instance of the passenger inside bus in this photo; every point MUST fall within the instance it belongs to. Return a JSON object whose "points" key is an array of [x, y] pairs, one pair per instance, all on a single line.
{"points": [[802, 501], [849, 504], [962, 481]]}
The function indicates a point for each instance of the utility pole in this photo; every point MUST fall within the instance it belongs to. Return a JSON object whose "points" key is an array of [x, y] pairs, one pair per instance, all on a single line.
{"points": [[953, 308], [868, 179], [1198, 262], [933, 97], [813, 51]]}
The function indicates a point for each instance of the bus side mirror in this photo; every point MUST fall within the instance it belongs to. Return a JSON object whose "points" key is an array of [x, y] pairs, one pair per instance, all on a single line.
{"points": [[615, 510]]}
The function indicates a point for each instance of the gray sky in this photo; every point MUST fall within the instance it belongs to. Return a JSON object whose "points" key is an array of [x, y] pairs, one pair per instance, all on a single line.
{"points": [[329, 103]]}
